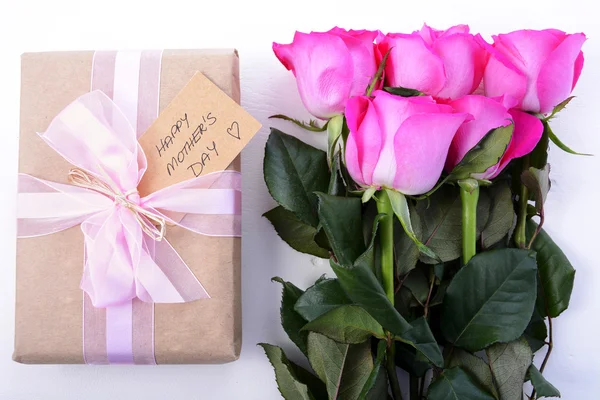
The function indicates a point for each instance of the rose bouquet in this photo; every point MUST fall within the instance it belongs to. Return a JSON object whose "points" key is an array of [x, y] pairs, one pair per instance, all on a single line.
{"points": [[429, 205]]}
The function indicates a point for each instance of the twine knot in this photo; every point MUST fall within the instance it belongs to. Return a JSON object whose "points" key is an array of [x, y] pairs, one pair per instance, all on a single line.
{"points": [[151, 223]]}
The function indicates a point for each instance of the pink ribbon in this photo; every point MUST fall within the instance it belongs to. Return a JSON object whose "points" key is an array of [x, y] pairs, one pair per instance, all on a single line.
{"points": [[122, 261]]}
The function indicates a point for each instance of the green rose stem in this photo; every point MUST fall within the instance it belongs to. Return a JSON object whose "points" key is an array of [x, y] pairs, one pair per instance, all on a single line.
{"points": [[386, 232], [520, 230], [386, 236], [469, 196]]}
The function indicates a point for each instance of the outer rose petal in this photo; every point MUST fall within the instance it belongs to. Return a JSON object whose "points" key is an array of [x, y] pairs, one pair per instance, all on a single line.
{"points": [[430, 35], [351, 160], [464, 61], [578, 68], [284, 54], [362, 53], [364, 141], [502, 78], [421, 146], [528, 51], [321, 63], [423, 70], [361, 34], [393, 110], [527, 134], [487, 114], [558, 74]]}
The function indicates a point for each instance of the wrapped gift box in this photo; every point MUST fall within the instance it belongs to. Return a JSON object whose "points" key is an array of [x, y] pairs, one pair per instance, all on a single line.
{"points": [[49, 301]]}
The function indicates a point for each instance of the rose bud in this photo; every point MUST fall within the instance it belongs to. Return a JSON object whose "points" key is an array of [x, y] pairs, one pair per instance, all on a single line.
{"points": [[539, 69], [398, 142], [329, 67], [445, 64]]}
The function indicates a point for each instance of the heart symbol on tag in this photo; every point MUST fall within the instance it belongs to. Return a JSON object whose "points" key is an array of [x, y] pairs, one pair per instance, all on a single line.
{"points": [[234, 130]]}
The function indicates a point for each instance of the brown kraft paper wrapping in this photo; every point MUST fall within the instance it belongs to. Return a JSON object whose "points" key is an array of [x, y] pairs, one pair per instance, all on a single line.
{"points": [[49, 302]]}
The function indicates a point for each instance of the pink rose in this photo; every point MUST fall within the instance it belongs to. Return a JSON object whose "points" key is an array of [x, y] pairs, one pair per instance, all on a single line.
{"points": [[538, 68], [489, 114], [330, 67], [397, 142], [445, 64]]}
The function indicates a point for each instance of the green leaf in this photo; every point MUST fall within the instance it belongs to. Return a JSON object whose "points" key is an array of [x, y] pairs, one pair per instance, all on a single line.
{"points": [[422, 339], [375, 387], [536, 332], [363, 288], [556, 273], [342, 222], [316, 388], [344, 368], [404, 302], [543, 388], [484, 154], [368, 194], [404, 92], [563, 146], [287, 382], [418, 284], [367, 259], [502, 215], [400, 207], [559, 107], [509, 363], [336, 183], [311, 125], [294, 232], [293, 171], [538, 183], [478, 369], [538, 158], [346, 324], [291, 321], [440, 293], [405, 250], [456, 384], [410, 360], [441, 219], [490, 299], [321, 298]]}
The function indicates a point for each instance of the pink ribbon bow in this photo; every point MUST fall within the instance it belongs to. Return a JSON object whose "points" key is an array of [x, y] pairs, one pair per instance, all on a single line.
{"points": [[126, 255]]}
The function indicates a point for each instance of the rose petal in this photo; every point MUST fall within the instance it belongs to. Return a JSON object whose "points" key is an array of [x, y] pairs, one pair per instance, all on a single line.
{"points": [[422, 70], [502, 78], [528, 51], [559, 72], [393, 110], [421, 145], [487, 114], [464, 61], [323, 68], [526, 135], [364, 141], [284, 54], [362, 50], [578, 68]]}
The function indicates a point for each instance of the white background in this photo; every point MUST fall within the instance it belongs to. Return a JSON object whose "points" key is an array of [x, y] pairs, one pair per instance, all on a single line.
{"points": [[267, 88]]}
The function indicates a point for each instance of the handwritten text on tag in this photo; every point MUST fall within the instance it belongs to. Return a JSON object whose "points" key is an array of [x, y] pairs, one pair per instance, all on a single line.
{"points": [[201, 131]]}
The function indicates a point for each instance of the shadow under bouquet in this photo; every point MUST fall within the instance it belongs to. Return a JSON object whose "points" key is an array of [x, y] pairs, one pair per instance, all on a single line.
{"points": [[429, 205]]}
